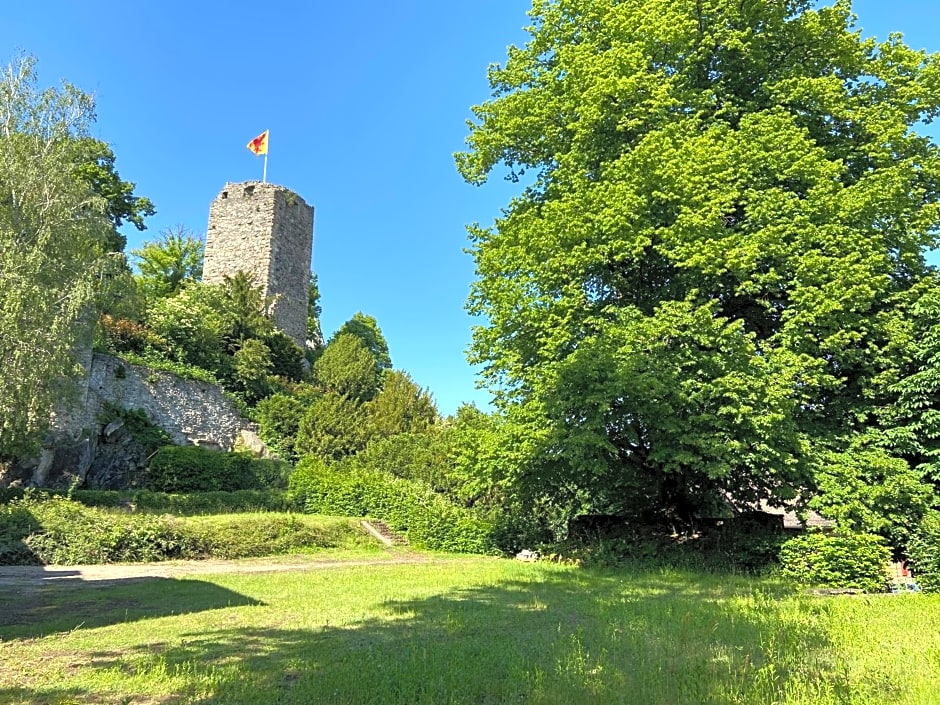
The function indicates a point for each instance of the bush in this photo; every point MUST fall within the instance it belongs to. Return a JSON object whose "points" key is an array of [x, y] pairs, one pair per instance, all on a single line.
{"points": [[186, 504], [429, 519], [120, 335], [196, 503], [194, 469], [154, 360], [144, 431], [16, 524], [8, 494], [287, 358], [748, 542], [55, 530], [924, 552], [279, 418], [848, 560], [412, 456], [251, 370]]}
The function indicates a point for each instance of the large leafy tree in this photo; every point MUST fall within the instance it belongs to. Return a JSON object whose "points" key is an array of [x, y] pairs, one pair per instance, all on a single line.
{"points": [[167, 263], [694, 295], [54, 231], [195, 326], [95, 166]]}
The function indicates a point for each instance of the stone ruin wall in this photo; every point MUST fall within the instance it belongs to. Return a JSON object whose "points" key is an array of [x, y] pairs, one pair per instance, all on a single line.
{"points": [[266, 231], [103, 456]]}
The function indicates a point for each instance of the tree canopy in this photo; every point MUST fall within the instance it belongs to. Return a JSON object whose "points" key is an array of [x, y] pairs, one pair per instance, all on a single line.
{"points": [[165, 264], [54, 231], [366, 328], [726, 208], [95, 165], [348, 367]]}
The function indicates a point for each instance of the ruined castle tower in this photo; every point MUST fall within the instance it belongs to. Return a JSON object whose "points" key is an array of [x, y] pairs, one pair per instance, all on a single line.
{"points": [[266, 231]]}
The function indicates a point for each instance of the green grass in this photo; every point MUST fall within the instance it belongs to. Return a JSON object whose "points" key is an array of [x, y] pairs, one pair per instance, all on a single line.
{"points": [[466, 630]]}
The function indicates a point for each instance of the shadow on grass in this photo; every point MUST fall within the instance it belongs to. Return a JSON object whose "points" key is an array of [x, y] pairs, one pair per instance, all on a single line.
{"points": [[566, 637], [60, 607]]}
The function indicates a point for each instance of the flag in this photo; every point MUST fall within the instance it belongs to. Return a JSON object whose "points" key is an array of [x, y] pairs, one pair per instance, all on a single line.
{"points": [[259, 145]]}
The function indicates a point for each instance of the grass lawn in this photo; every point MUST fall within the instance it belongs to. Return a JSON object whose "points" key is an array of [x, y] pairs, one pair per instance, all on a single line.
{"points": [[469, 631]]}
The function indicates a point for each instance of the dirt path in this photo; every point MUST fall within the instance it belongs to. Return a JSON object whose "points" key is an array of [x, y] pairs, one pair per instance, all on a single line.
{"points": [[33, 576]]}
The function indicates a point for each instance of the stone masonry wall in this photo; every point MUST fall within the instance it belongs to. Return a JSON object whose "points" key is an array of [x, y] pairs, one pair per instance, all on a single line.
{"points": [[264, 230], [82, 448], [191, 412]]}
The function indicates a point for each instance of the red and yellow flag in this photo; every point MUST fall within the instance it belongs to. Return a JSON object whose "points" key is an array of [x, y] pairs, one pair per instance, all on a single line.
{"points": [[259, 145]]}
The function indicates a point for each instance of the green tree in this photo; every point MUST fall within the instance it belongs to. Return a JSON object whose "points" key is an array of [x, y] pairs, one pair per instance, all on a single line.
{"points": [[248, 310], [95, 165], [287, 358], [694, 295], [169, 262], [279, 417], [910, 417], [252, 368], [366, 328], [194, 326], [314, 332], [347, 367], [332, 428], [401, 406], [54, 230]]}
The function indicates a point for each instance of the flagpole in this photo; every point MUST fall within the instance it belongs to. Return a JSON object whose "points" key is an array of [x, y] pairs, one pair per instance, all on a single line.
{"points": [[264, 174]]}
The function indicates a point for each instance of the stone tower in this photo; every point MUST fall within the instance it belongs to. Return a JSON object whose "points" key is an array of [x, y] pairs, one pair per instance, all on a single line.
{"points": [[266, 231]]}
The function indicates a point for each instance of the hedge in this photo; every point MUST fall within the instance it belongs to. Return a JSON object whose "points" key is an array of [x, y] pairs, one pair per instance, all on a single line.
{"points": [[429, 519], [194, 469], [842, 560]]}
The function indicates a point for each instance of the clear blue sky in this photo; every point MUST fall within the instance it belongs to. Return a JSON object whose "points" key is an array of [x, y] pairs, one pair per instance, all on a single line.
{"points": [[366, 102]]}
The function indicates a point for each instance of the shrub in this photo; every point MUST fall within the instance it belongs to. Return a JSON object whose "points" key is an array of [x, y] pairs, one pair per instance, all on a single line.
{"points": [[186, 504], [924, 552], [138, 424], [287, 358], [332, 426], [196, 503], [412, 456], [16, 523], [193, 469], [429, 519], [251, 369], [193, 324], [279, 418], [120, 335], [846, 560], [8, 494], [153, 360], [748, 542], [271, 472], [263, 535], [55, 530]]}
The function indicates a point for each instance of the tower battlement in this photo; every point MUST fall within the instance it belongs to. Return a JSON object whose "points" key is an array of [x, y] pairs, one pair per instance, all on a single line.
{"points": [[266, 231]]}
